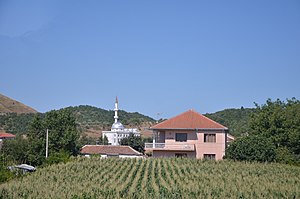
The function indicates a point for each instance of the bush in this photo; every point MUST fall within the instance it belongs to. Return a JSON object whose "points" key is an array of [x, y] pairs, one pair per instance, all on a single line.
{"points": [[58, 157], [136, 142], [284, 155], [252, 148], [5, 174]]}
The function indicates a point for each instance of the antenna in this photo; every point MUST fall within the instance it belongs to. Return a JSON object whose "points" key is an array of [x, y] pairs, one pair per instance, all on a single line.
{"points": [[157, 117]]}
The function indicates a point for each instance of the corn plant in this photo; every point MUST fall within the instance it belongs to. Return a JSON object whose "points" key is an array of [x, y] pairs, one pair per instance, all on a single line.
{"points": [[156, 178]]}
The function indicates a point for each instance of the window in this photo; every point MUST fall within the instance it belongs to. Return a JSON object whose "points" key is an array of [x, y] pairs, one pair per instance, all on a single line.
{"points": [[181, 137], [209, 156], [209, 137], [180, 155]]}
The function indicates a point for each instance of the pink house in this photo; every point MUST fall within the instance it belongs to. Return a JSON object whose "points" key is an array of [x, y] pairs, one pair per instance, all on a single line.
{"points": [[189, 134]]}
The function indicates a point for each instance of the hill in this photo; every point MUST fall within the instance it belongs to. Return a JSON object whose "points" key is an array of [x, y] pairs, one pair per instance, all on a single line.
{"points": [[16, 123], [8, 105], [156, 178], [15, 117], [237, 120], [91, 120], [89, 115]]}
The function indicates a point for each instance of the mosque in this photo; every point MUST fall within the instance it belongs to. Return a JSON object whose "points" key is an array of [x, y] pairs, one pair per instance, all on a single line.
{"points": [[118, 131]]}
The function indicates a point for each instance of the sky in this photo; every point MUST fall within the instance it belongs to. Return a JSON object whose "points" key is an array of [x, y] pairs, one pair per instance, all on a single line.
{"points": [[160, 58]]}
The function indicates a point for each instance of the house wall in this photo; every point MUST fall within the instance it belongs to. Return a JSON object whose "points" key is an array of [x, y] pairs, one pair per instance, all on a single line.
{"points": [[196, 138], [171, 135], [171, 154], [130, 156], [217, 148], [120, 156]]}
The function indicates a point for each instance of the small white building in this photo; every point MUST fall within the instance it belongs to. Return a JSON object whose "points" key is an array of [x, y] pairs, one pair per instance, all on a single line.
{"points": [[118, 131]]}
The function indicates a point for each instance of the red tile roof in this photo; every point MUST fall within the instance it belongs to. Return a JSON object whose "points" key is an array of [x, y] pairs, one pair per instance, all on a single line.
{"points": [[189, 120], [6, 135], [108, 149]]}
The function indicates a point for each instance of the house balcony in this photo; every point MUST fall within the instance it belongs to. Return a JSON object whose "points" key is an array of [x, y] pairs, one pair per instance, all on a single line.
{"points": [[169, 147]]}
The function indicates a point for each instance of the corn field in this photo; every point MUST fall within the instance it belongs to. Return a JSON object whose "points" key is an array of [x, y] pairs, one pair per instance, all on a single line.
{"points": [[156, 178]]}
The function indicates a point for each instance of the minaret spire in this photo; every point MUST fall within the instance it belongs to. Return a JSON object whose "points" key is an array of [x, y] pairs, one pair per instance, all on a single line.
{"points": [[116, 110]]}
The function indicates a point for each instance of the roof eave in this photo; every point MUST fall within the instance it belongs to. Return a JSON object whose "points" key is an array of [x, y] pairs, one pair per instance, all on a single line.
{"points": [[191, 129], [86, 153]]}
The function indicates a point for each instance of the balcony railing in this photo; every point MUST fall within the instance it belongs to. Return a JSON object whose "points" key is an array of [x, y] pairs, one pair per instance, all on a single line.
{"points": [[170, 147]]}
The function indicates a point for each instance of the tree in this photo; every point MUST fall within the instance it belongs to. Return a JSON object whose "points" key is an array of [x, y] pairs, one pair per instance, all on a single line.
{"points": [[279, 121], [5, 174], [103, 140], [136, 142], [274, 134], [252, 148], [15, 150], [63, 135], [85, 140], [237, 120]]}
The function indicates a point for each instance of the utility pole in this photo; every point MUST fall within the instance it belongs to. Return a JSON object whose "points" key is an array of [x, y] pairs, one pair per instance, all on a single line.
{"points": [[47, 143]]}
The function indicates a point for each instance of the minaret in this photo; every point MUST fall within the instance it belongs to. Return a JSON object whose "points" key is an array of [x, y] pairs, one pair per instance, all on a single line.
{"points": [[116, 110]]}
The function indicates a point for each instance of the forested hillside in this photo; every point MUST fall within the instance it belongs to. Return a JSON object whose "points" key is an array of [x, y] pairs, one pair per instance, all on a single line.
{"points": [[87, 117], [15, 118], [16, 123], [90, 116], [93, 118], [237, 120]]}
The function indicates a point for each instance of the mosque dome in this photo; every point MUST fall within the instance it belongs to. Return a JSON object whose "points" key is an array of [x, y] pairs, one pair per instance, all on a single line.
{"points": [[118, 126]]}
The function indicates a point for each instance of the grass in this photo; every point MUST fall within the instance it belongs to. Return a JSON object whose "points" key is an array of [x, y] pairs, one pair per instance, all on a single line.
{"points": [[156, 178]]}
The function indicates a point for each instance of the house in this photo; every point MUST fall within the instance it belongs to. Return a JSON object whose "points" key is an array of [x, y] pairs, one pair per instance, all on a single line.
{"points": [[189, 134], [110, 151], [5, 136], [118, 131]]}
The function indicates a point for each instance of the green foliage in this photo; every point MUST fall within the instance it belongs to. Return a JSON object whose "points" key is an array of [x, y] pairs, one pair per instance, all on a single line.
{"points": [[284, 155], [279, 121], [136, 142], [58, 157], [157, 178], [237, 120], [16, 123], [147, 139], [252, 148], [5, 174], [63, 135], [88, 116], [15, 150], [63, 128], [274, 134], [103, 140], [85, 140]]}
